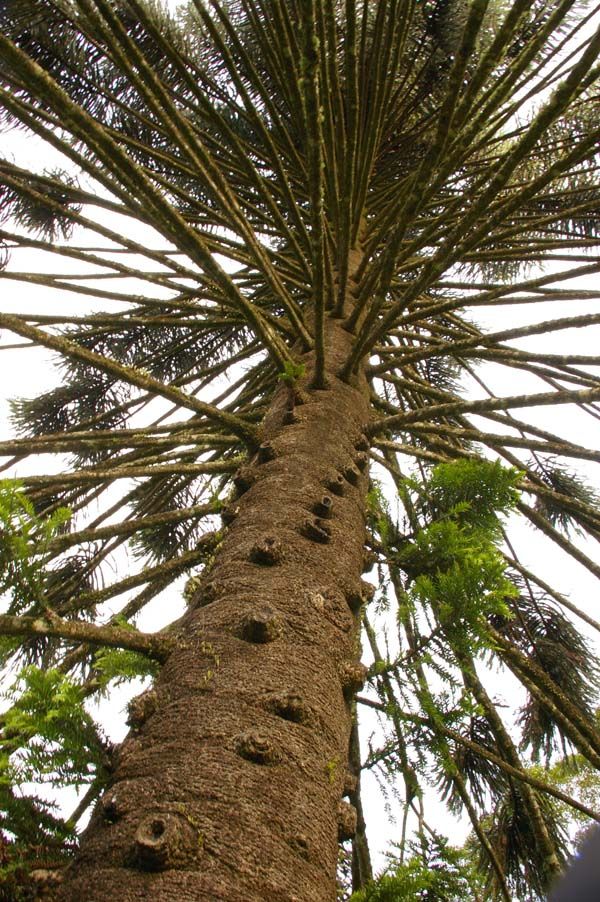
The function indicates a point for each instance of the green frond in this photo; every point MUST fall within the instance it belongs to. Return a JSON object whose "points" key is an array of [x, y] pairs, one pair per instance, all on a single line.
{"points": [[118, 666], [160, 495], [549, 637], [478, 490], [88, 399], [565, 485], [45, 208], [435, 870], [512, 837], [60, 743], [485, 779]]}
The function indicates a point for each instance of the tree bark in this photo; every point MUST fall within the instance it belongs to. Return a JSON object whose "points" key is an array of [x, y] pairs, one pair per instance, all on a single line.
{"points": [[230, 784]]}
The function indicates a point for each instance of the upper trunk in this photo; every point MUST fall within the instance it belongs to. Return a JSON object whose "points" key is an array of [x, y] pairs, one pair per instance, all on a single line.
{"points": [[230, 784]]}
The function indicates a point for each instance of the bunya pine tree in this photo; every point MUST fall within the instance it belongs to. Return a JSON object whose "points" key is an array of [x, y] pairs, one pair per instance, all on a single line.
{"points": [[292, 260]]}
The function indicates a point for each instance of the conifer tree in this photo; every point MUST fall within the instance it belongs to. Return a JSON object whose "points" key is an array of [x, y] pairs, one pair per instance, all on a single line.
{"points": [[294, 255]]}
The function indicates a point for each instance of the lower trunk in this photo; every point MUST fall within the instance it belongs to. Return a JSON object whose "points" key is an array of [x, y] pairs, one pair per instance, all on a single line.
{"points": [[230, 785]]}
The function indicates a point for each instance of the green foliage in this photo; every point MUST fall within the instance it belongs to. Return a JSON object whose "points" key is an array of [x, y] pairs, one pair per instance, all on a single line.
{"points": [[378, 511], [48, 738], [579, 779], [24, 541], [122, 666], [571, 486], [456, 582], [514, 837], [435, 872], [466, 578], [292, 372], [453, 564], [57, 739], [474, 492]]}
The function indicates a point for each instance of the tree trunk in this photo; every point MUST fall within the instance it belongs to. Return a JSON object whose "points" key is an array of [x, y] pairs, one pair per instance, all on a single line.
{"points": [[230, 783]]}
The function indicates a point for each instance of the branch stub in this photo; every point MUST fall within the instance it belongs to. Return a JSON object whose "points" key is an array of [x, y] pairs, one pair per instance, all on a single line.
{"points": [[316, 531], [347, 820], [267, 552], [261, 626], [255, 747], [163, 841]]}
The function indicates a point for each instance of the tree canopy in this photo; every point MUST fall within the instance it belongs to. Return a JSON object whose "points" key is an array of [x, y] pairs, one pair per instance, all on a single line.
{"points": [[227, 178]]}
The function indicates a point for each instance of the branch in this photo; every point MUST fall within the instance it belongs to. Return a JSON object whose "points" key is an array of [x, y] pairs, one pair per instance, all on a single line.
{"points": [[549, 693], [84, 476], [485, 753], [131, 375], [485, 404], [153, 645]]}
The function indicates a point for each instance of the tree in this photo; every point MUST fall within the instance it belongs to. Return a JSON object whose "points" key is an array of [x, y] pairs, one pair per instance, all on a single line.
{"points": [[282, 220]]}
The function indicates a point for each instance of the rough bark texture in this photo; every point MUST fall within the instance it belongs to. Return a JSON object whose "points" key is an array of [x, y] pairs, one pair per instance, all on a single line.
{"points": [[230, 784]]}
